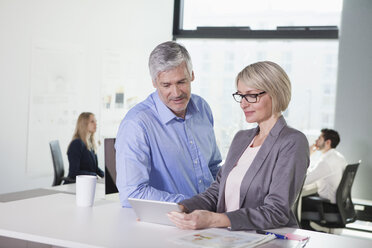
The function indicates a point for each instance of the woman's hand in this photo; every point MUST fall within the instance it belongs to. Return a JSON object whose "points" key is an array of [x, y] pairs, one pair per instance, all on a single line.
{"points": [[199, 219]]}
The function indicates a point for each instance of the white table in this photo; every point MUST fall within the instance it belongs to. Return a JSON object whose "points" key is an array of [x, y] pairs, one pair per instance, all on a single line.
{"points": [[56, 220]]}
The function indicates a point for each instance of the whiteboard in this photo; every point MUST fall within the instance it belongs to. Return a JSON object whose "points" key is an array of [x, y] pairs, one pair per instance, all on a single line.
{"points": [[57, 80]]}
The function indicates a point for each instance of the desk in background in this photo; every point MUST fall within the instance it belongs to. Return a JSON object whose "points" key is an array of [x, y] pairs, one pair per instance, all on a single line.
{"points": [[309, 189], [56, 220], [67, 188]]}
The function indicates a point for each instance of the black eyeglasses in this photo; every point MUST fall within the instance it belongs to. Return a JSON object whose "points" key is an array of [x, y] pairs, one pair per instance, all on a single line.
{"points": [[251, 98]]}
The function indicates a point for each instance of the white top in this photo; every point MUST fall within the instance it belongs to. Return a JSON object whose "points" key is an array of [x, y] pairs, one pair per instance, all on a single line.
{"points": [[327, 174], [235, 178]]}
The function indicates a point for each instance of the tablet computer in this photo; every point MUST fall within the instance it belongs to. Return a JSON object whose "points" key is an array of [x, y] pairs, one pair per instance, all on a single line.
{"points": [[153, 211]]}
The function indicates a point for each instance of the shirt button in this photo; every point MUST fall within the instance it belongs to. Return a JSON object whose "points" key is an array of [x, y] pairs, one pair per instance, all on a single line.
{"points": [[195, 161], [191, 142], [200, 181]]}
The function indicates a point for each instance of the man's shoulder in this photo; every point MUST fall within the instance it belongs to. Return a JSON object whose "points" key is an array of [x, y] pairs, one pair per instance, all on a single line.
{"points": [[200, 103], [140, 111], [332, 159], [198, 100], [335, 155], [201, 108]]}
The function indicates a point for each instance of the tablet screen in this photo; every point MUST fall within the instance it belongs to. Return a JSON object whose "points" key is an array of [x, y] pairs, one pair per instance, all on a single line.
{"points": [[153, 211]]}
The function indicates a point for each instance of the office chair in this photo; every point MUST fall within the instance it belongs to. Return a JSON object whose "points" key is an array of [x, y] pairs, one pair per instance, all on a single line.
{"points": [[59, 170], [334, 215], [110, 166]]}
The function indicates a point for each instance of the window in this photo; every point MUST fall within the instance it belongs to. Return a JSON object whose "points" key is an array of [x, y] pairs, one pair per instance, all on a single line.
{"points": [[220, 43]]}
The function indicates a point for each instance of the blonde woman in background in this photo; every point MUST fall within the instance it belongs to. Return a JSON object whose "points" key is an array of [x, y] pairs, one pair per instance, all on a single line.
{"points": [[82, 151]]}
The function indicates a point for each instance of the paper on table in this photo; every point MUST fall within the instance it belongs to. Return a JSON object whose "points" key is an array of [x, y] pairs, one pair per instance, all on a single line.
{"points": [[221, 238]]}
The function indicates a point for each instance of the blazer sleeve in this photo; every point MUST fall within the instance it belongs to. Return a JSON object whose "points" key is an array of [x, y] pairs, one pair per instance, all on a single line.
{"points": [[206, 200], [287, 178]]}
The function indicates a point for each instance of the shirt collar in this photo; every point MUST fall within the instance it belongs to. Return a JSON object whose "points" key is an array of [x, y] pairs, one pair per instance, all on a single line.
{"points": [[166, 115]]}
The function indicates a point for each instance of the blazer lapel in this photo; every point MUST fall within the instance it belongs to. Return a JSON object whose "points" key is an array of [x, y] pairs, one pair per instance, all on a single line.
{"points": [[260, 158]]}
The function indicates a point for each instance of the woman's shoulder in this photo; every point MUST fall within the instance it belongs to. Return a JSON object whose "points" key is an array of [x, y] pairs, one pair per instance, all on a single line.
{"points": [[77, 143], [293, 135], [288, 130], [244, 135], [246, 132]]}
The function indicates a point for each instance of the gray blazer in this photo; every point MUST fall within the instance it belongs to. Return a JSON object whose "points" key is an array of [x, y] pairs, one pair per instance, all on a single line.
{"points": [[271, 184]]}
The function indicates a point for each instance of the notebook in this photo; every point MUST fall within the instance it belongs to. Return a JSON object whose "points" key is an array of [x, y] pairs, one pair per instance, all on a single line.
{"points": [[153, 211]]}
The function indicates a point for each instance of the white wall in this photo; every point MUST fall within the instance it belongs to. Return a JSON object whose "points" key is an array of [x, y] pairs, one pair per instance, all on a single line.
{"points": [[90, 28], [354, 92], [133, 28]]}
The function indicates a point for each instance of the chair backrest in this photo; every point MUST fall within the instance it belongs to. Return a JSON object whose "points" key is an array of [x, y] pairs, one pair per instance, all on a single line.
{"points": [[343, 194], [110, 166], [59, 170]]}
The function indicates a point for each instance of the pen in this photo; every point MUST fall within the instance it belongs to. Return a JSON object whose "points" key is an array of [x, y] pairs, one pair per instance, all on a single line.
{"points": [[278, 236]]}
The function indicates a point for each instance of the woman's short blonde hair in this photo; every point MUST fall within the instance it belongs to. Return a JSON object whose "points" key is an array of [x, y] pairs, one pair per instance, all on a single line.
{"points": [[270, 77]]}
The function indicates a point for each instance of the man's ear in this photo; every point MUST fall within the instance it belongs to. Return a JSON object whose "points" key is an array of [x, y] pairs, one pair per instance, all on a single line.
{"points": [[328, 143], [154, 84], [192, 76]]}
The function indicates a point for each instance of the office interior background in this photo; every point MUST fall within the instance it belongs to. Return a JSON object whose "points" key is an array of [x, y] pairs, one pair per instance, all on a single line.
{"points": [[60, 58]]}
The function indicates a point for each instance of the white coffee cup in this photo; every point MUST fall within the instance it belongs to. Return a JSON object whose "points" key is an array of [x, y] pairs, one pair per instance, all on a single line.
{"points": [[85, 190]]}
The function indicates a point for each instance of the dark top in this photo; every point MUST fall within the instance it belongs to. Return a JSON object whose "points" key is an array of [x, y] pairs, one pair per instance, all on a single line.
{"points": [[82, 161]]}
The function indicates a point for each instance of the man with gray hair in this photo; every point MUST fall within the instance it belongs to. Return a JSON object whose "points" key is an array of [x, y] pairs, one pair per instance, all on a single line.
{"points": [[166, 148]]}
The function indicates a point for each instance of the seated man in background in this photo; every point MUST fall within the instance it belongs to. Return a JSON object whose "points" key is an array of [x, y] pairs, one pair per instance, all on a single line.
{"points": [[326, 172], [165, 147]]}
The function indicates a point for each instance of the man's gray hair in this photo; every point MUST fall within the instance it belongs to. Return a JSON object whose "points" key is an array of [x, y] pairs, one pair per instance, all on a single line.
{"points": [[167, 56]]}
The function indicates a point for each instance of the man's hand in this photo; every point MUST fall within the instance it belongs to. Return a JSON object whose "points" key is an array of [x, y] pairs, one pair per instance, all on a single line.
{"points": [[313, 148]]}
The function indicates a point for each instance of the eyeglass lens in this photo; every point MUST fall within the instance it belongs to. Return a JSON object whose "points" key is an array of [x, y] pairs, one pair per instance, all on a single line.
{"points": [[252, 98]]}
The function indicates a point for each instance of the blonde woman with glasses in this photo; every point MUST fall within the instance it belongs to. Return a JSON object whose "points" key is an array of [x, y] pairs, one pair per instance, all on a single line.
{"points": [[265, 167]]}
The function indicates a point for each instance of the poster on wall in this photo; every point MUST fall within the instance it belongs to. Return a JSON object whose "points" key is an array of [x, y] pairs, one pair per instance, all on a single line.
{"points": [[113, 92], [57, 77]]}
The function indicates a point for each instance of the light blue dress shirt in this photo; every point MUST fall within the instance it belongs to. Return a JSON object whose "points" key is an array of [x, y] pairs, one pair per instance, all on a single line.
{"points": [[160, 156]]}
